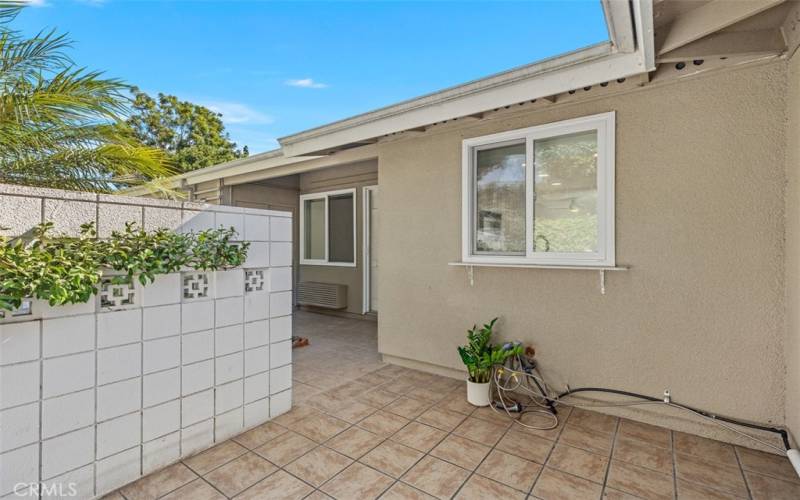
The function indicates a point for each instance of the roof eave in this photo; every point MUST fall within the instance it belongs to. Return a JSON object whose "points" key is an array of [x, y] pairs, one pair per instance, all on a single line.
{"points": [[629, 52]]}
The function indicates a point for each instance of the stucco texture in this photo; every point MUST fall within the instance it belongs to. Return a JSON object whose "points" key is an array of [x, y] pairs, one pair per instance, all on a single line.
{"points": [[699, 219], [357, 175], [283, 193], [793, 247]]}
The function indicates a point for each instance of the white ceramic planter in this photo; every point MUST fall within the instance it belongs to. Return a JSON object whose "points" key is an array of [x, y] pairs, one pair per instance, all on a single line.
{"points": [[478, 394]]}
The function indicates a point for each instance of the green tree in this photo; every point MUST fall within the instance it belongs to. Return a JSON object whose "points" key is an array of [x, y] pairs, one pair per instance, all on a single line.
{"points": [[62, 126], [192, 135]]}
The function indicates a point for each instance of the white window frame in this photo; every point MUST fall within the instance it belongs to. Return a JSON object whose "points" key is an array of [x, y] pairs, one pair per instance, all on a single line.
{"points": [[326, 196], [366, 247], [604, 125]]}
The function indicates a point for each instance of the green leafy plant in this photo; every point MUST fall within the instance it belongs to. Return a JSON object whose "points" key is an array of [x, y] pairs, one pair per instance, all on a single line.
{"points": [[63, 126], [67, 270], [479, 355]]}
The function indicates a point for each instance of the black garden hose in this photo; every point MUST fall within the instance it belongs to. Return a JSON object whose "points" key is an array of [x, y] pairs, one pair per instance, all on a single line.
{"points": [[782, 432]]}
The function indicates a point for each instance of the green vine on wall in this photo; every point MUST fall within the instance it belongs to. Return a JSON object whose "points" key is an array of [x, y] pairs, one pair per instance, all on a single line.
{"points": [[67, 270]]}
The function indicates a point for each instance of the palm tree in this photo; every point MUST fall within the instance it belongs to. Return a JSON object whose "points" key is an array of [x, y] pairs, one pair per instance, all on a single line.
{"points": [[62, 126]]}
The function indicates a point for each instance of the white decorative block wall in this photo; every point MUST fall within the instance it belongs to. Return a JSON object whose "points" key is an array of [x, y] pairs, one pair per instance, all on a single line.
{"points": [[99, 394]]}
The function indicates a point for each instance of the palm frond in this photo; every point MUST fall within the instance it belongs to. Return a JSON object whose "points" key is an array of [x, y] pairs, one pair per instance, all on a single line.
{"points": [[62, 126], [84, 170], [10, 9], [25, 58], [70, 95]]}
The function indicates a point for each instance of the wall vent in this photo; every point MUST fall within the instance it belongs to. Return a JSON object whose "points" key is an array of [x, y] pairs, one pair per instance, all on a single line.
{"points": [[327, 295]]}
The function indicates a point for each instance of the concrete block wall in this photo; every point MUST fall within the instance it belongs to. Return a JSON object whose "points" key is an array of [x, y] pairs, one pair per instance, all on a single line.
{"points": [[96, 395]]}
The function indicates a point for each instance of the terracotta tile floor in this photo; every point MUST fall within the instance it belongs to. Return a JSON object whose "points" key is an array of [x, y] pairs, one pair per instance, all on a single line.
{"points": [[361, 429]]}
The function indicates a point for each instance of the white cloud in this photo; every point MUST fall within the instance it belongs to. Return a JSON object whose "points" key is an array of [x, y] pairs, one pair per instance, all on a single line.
{"points": [[306, 83], [37, 3], [235, 112]]}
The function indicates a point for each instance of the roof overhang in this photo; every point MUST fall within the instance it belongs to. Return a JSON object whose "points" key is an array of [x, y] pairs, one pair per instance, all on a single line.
{"points": [[629, 52], [693, 37]]}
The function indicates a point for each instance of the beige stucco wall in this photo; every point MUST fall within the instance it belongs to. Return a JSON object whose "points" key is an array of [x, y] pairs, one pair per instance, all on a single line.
{"points": [[699, 204], [277, 195], [793, 248], [283, 193], [356, 175]]}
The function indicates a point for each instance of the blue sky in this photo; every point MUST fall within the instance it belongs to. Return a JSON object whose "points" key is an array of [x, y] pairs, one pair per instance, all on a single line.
{"points": [[276, 68]]}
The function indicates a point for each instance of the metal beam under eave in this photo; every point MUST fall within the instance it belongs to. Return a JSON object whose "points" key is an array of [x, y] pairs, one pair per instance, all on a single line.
{"points": [[728, 43]]}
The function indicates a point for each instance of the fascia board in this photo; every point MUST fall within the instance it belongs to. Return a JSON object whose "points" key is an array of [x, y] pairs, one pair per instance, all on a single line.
{"points": [[247, 168], [589, 66], [307, 165], [547, 83]]}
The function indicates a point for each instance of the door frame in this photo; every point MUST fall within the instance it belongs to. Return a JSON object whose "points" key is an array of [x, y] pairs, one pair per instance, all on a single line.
{"points": [[366, 210]]}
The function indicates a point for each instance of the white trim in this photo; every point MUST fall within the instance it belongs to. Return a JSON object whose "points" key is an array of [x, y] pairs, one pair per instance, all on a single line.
{"points": [[619, 21], [588, 66], [604, 124], [629, 52], [539, 266], [366, 218], [302, 216]]}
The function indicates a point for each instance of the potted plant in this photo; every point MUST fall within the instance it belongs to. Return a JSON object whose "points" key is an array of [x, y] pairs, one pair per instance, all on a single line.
{"points": [[480, 356]]}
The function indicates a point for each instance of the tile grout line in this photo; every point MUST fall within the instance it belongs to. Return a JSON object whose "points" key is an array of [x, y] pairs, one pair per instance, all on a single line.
{"points": [[203, 478], [674, 465], [491, 449], [141, 394], [250, 450], [180, 371], [40, 447], [213, 302], [383, 440], [243, 289], [388, 438], [355, 425], [547, 459], [424, 454], [95, 398], [741, 471], [614, 436]]}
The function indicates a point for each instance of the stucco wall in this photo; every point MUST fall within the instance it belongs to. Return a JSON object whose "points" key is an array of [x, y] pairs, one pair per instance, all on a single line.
{"points": [[270, 196], [793, 248], [356, 175], [283, 193], [96, 395], [699, 214]]}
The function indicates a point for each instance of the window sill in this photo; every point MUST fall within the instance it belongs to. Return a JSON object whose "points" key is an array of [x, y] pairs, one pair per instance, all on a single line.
{"points": [[329, 264], [540, 266], [470, 267]]}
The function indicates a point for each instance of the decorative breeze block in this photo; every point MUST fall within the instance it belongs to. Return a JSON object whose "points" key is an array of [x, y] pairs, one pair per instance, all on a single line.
{"points": [[115, 295], [195, 285], [254, 280]]}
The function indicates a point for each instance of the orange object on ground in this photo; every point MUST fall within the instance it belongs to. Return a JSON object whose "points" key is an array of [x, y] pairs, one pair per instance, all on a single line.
{"points": [[299, 342]]}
